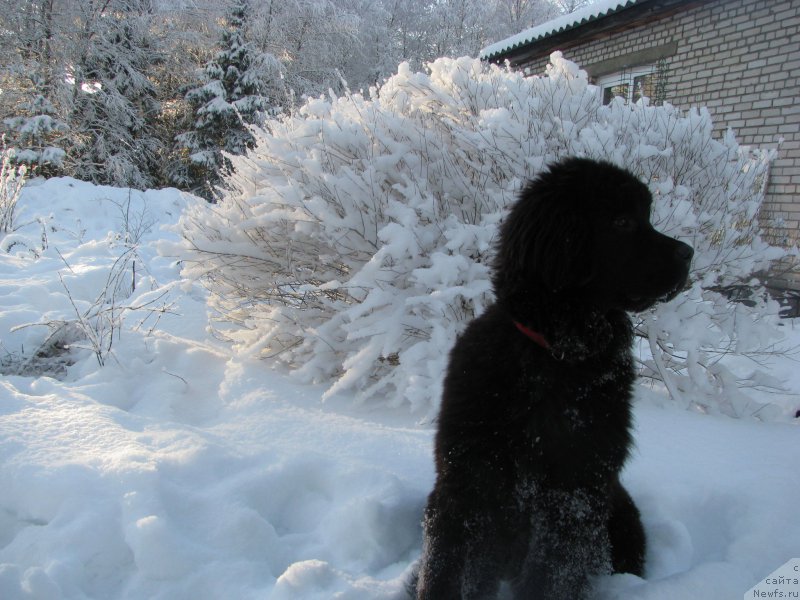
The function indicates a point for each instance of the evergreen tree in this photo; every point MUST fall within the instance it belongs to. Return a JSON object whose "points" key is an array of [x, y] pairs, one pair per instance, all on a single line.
{"points": [[33, 130], [35, 135], [115, 104], [231, 97]]}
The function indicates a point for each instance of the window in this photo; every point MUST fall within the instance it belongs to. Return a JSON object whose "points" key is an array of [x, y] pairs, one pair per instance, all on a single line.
{"points": [[631, 86]]}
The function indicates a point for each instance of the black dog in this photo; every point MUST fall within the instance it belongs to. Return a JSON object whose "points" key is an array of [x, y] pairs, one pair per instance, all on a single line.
{"points": [[534, 427]]}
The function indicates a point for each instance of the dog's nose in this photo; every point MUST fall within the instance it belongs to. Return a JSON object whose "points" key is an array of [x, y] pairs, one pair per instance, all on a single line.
{"points": [[684, 252]]}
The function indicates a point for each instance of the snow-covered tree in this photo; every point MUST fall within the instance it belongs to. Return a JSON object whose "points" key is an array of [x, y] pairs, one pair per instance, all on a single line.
{"points": [[357, 244], [513, 16], [369, 58], [339, 44], [230, 100], [564, 6], [114, 102], [35, 136], [116, 72], [33, 129]]}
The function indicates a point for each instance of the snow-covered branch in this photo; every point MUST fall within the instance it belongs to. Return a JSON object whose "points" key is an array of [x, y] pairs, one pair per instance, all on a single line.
{"points": [[356, 246]]}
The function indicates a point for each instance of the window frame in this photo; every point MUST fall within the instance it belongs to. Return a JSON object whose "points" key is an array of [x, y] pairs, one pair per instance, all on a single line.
{"points": [[626, 77]]}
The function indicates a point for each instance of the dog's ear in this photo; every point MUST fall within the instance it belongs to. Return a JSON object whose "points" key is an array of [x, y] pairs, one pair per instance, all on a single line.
{"points": [[543, 241]]}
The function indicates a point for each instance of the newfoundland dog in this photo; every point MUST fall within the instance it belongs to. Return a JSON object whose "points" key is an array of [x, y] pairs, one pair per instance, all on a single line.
{"points": [[535, 421]]}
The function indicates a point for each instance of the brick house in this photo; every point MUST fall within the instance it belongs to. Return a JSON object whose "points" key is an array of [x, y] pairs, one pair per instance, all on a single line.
{"points": [[739, 58]]}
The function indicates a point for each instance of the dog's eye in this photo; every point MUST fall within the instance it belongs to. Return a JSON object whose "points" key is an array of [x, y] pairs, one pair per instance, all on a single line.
{"points": [[624, 223]]}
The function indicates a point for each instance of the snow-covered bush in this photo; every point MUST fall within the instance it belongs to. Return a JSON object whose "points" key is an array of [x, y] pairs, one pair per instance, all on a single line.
{"points": [[356, 246], [12, 178]]}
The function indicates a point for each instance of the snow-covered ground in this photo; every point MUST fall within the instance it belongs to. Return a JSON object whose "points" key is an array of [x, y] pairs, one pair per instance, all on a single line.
{"points": [[179, 471]]}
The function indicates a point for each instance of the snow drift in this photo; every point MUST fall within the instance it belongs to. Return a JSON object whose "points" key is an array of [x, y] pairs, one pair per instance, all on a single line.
{"points": [[182, 471]]}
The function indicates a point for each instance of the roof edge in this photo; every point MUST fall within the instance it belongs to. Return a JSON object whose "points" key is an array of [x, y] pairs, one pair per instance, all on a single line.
{"points": [[564, 23]]}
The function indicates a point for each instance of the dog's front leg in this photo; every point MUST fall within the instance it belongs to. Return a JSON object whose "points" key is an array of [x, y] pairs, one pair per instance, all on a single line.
{"points": [[569, 545], [459, 560]]}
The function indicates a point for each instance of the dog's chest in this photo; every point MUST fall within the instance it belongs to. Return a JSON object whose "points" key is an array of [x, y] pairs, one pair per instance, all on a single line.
{"points": [[578, 418]]}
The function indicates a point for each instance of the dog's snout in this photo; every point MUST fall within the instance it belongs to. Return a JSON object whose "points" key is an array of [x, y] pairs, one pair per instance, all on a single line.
{"points": [[684, 252]]}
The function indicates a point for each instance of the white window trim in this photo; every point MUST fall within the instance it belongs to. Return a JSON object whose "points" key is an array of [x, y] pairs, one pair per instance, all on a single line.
{"points": [[623, 77]]}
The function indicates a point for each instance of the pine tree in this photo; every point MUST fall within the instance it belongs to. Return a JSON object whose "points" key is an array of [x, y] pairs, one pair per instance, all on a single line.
{"points": [[33, 130], [115, 104], [230, 99], [34, 136]]}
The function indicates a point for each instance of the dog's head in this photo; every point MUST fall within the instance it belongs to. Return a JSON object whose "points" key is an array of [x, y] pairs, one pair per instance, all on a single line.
{"points": [[582, 230]]}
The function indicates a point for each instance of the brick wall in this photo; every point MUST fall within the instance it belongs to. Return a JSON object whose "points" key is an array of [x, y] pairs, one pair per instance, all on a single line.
{"points": [[741, 59]]}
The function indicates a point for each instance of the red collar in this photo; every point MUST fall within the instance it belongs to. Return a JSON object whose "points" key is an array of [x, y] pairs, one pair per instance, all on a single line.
{"points": [[537, 337]]}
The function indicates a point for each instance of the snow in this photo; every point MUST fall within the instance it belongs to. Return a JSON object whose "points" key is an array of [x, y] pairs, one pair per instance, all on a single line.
{"points": [[393, 201], [180, 470], [593, 11]]}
